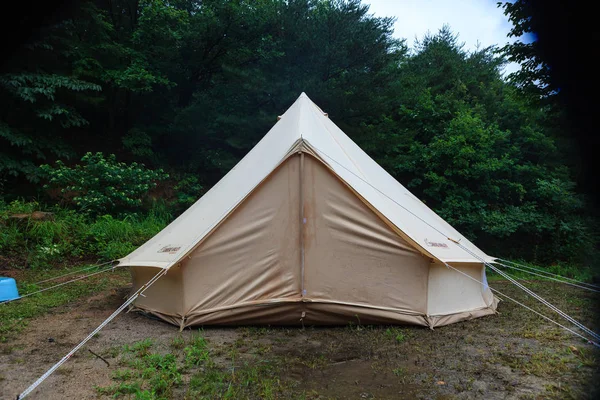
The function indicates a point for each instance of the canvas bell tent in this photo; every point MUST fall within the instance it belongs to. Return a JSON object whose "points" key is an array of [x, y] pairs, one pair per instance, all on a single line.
{"points": [[308, 229]]}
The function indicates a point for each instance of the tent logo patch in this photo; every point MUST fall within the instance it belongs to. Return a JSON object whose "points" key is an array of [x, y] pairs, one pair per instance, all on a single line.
{"points": [[436, 244], [169, 249]]}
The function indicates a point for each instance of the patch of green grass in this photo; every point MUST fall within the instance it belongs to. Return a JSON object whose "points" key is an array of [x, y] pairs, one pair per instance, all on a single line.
{"points": [[150, 375], [178, 342], [584, 357], [559, 391], [121, 389], [254, 332], [141, 348], [396, 334], [542, 334], [314, 361], [122, 374], [542, 364], [263, 349], [258, 380], [197, 351]]}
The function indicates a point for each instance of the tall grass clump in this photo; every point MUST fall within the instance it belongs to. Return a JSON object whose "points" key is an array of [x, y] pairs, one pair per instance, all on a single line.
{"points": [[67, 236]]}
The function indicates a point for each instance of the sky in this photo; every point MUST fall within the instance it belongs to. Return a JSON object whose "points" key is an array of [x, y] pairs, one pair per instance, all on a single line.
{"points": [[475, 21]]}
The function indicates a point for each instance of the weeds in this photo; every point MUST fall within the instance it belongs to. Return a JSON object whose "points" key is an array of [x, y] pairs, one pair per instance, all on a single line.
{"points": [[396, 334], [584, 357], [40, 244], [178, 342], [197, 351], [151, 375], [538, 364]]}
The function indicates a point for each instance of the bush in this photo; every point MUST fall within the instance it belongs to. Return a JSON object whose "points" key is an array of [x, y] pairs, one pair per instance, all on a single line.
{"points": [[102, 185], [188, 191]]}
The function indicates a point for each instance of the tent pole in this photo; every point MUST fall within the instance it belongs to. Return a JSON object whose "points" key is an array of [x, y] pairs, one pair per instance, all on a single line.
{"points": [[302, 222]]}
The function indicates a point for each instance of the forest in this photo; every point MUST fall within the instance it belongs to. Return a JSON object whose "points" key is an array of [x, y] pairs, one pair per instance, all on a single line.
{"points": [[118, 114]]}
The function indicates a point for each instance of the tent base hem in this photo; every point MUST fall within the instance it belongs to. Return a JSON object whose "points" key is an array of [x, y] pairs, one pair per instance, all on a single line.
{"points": [[299, 313]]}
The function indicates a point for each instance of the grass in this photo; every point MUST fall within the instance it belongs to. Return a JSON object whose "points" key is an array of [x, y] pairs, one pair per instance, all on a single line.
{"points": [[178, 342], [542, 364], [396, 334], [41, 244], [150, 374]]}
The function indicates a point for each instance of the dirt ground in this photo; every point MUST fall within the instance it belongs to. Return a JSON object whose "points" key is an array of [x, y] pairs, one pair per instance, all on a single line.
{"points": [[512, 355]]}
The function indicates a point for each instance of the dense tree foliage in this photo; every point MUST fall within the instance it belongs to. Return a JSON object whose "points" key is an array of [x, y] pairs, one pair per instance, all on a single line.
{"points": [[190, 86], [556, 74]]}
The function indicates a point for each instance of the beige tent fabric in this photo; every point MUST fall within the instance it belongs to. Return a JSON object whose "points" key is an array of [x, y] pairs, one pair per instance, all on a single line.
{"points": [[441, 320], [308, 229], [254, 254], [356, 269], [164, 298], [352, 255], [303, 313], [450, 292]]}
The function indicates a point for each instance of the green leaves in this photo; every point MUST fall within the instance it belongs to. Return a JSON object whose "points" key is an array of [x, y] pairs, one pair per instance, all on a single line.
{"points": [[32, 87], [103, 185], [467, 144]]}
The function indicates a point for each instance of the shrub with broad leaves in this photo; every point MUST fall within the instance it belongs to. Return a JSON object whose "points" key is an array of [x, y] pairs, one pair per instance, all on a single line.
{"points": [[102, 184]]}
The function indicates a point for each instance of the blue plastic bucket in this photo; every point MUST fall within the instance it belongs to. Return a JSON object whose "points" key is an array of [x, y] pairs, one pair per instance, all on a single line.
{"points": [[8, 289]]}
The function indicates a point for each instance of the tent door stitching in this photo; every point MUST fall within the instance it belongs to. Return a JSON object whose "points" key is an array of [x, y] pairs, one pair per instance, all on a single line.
{"points": [[302, 223]]}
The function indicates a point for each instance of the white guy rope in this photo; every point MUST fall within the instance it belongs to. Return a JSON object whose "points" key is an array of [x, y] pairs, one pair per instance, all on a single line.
{"points": [[549, 273], [547, 303], [533, 294], [61, 284], [84, 341], [548, 277], [527, 307], [74, 272]]}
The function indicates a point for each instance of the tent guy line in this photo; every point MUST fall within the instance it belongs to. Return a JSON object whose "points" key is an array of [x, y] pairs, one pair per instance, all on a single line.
{"points": [[549, 273], [545, 302], [538, 297], [529, 308], [130, 300], [111, 268], [548, 277], [75, 272]]}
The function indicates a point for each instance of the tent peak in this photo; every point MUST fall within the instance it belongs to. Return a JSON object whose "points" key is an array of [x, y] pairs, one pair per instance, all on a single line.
{"points": [[304, 97]]}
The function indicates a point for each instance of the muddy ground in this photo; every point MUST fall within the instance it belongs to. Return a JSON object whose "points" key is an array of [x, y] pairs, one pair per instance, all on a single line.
{"points": [[512, 355]]}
